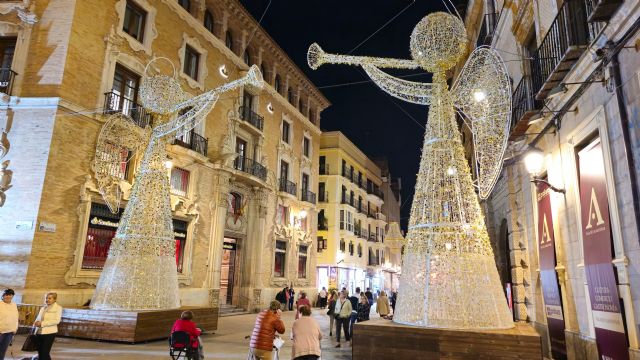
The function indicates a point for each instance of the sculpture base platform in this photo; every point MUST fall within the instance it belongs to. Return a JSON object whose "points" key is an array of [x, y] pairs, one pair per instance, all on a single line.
{"points": [[383, 339], [130, 326]]}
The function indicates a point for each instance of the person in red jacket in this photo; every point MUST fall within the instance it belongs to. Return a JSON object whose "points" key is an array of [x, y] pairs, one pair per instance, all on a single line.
{"points": [[264, 331], [186, 324]]}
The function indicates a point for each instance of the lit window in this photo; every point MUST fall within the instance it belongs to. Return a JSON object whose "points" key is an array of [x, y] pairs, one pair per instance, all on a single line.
{"points": [[191, 62], [179, 181], [282, 217], [134, 21], [302, 261], [280, 257]]}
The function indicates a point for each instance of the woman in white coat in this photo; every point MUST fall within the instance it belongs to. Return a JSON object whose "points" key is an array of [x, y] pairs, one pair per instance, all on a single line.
{"points": [[47, 324], [8, 320]]}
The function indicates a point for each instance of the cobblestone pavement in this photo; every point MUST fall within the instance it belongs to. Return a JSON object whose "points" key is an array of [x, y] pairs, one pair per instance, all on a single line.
{"points": [[227, 343]]}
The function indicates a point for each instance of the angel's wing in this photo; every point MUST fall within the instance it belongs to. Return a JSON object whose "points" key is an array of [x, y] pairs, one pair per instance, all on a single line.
{"points": [[483, 94], [118, 140], [414, 92], [196, 108]]}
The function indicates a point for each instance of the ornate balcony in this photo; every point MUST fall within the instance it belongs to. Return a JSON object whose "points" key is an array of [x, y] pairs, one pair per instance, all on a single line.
{"points": [[524, 107], [251, 117], [308, 196], [192, 140], [601, 10], [114, 103], [251, 167], [375, 191], [566, 40], [6, 80], [287, 186], [487, 29]]}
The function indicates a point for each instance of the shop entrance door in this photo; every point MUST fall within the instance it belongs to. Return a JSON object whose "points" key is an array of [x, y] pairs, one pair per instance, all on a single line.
{"points": [[228, 270]]}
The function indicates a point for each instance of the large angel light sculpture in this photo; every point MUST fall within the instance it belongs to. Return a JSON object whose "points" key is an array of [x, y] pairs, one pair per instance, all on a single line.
{"points": [[449, 277], [140, 270]]}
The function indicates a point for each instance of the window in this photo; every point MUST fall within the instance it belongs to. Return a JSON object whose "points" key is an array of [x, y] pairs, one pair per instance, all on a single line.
{"points": [[134, 21], [277, 84], [284, 170], [282, 217], [247, 100], [241, 150], [305, 182], [119, 153], [312, 116], [359, 250], [186, 4], [302, 261], [351, 248], [306, 146], [322, 221], [322, 244], [228, 40], [321, 192], [235, 203], [341, 219], [349, 221], [279, 263], [180, 236], [290, 95], [179, 181], [124, 91], [7, 49], [191, 62], [286, 128], [352, 198], [344, 194], [263, 70], [208, 21], [246, 57], [342, 245]]}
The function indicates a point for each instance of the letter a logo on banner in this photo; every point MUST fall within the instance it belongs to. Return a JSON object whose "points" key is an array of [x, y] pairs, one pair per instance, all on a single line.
{"points": [[594, 210], [545, 231]]}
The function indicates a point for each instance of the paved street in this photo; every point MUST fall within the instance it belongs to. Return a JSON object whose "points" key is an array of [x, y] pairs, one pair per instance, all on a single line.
{"points": [[227, 343]]}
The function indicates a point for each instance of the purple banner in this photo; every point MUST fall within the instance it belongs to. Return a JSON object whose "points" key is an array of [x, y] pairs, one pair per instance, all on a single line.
{"points": [[550, 286], [596, 234]]}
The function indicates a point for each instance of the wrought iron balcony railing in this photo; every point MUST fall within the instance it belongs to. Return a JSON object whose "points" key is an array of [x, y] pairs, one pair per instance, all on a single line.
{"points": [[308, 196], [487, 29], [565, 41], [524, 106], [194, 141], [288, 186], [6, 80], [114, 102], [251, 167], [251, 117], [601, 10]]}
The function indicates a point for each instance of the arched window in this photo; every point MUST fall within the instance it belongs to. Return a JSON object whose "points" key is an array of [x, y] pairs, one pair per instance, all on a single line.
{"points": [[246, 57], [290, 95], [235, 203], [228, 40], [277, 84], [208, 20]]}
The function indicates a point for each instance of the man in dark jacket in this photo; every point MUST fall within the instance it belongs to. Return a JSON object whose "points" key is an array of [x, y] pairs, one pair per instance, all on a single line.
{"points": [[354, 299], [264, 331], [369, 295], [282, 296]]}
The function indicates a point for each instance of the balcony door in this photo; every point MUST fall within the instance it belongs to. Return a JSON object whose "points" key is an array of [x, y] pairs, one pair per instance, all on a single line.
{"points": [[241, 150], [284, 170], [7, 49], [305, 184], [124, 90]]}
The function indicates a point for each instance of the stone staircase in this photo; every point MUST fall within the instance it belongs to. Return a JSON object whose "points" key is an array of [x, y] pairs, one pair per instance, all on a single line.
{"points": [[231, 310]]}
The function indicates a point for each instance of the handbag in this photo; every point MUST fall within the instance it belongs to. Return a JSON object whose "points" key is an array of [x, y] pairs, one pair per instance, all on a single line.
{"points": [[277, 343], [30, 343]]}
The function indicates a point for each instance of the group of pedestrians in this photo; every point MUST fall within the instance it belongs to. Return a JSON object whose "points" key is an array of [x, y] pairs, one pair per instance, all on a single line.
{"points": [[286, 298], [44, 328]]}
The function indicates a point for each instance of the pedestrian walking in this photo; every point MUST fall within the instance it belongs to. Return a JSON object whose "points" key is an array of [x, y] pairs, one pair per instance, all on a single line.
{"points": [[323, 298], [342, 313], [186, 324], [306, 336], [46, 323], [355, 299], [8, 320], [292, 294], [303, 301], [332, 306], [363, 308], [382, 304], [369, 295], [394, 298], [268, 322]]}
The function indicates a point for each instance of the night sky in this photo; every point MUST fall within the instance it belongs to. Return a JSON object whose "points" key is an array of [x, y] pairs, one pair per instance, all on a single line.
{"points": [[381, 126]]}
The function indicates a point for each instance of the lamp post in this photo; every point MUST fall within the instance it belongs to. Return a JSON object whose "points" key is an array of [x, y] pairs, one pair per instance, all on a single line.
{"points": [[534, 162]]}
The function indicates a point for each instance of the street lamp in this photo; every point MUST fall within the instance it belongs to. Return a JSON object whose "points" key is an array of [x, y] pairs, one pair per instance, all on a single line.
{"points": [[534, 162]]}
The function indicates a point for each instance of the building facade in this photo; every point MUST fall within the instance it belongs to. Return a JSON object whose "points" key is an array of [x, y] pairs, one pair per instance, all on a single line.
{"points": [[564, 213], [351, 226], [241, 182]]}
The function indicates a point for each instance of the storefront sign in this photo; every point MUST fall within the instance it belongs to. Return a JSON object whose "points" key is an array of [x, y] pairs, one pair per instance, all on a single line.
{"points": [[596, 236], [549, 279]]}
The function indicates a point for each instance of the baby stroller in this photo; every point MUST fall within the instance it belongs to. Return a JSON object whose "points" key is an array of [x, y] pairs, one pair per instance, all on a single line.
{"points": [[180, 347]]}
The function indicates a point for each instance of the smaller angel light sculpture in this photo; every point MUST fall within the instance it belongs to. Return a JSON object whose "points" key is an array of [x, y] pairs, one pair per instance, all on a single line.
{"points": [[140, 270], [449, 277]]}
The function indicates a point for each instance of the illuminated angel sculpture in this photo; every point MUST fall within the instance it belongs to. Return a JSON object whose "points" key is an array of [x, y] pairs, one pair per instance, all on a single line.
{"points": [[449, 277], [140, 270]]}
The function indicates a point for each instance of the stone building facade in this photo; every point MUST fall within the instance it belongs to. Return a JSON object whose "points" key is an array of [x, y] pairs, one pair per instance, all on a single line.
{"points": [[241, 182], [575, 72], [351, 225]]}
